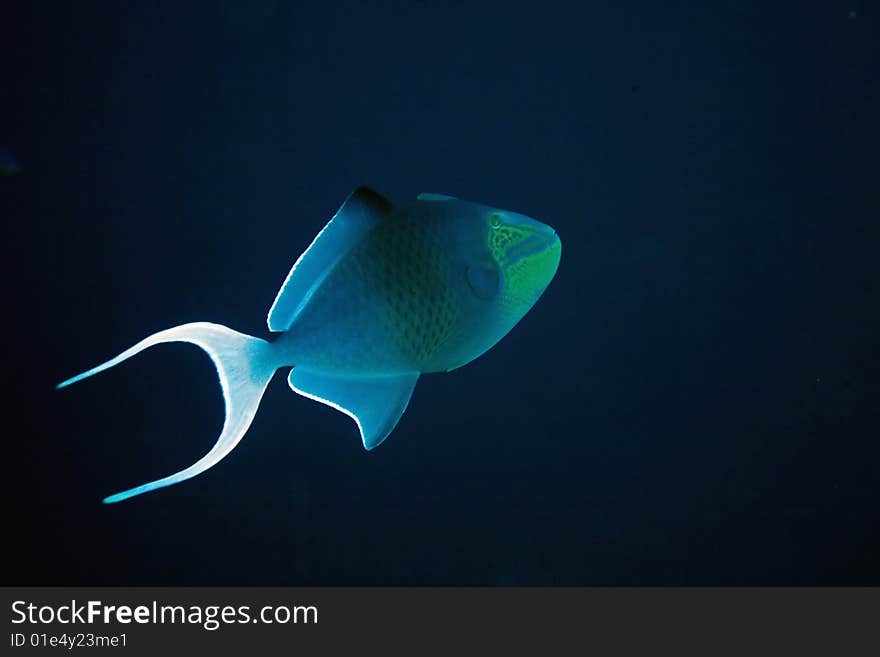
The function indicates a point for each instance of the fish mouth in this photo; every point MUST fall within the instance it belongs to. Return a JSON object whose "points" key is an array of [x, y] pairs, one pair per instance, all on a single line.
{"points": [[545, 237], [535, 244], [540, 239], [550, 241]]}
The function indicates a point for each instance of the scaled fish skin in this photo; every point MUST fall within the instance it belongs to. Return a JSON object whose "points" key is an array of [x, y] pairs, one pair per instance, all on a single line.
{"points": [[386, 292]]}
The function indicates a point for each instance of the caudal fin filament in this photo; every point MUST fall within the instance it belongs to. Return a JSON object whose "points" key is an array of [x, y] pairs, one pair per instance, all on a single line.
{"points": [[244, 367]]}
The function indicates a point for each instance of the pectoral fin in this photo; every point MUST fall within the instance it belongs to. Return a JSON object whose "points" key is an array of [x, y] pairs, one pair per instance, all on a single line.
{"points": [[374, 402], [484, 281]]}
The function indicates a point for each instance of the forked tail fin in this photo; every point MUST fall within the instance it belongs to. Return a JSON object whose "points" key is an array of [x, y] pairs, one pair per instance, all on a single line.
{"points": [[244, 366]]}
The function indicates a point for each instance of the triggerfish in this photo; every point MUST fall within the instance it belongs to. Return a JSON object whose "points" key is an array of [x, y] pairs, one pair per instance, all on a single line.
{"points": [[385, 292]]}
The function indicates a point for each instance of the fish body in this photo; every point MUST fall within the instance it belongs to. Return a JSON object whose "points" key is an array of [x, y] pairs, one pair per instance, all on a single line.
{"points": [[386, 292], [421, 292]]}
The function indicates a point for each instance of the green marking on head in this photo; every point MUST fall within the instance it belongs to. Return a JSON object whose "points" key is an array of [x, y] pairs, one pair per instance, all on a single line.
{"points": [[527, 253]]}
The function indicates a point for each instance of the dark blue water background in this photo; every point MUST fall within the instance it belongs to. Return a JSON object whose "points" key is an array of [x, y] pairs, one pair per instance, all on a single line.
{"points": [[693, 401]]}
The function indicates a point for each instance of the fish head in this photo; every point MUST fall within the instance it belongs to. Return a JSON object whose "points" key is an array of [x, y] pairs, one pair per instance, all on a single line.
{"points": [[506, 261], [526, 253], [510, 257]]}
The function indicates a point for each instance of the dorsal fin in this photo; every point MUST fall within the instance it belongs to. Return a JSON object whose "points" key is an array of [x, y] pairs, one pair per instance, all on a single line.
{"points": [[425, 196], [362, 210]]}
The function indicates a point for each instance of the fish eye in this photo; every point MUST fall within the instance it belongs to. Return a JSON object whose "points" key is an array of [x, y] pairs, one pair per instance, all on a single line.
{"points": [[495, 220]]}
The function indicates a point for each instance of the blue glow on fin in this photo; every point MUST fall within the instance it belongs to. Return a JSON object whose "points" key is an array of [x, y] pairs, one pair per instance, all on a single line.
{"points": [[374, 402], [244, 367], [363, 209], [425, 196]]}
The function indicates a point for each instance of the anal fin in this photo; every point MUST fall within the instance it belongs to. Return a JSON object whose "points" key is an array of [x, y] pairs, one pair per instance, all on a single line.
{"points": [[374, 402]]}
